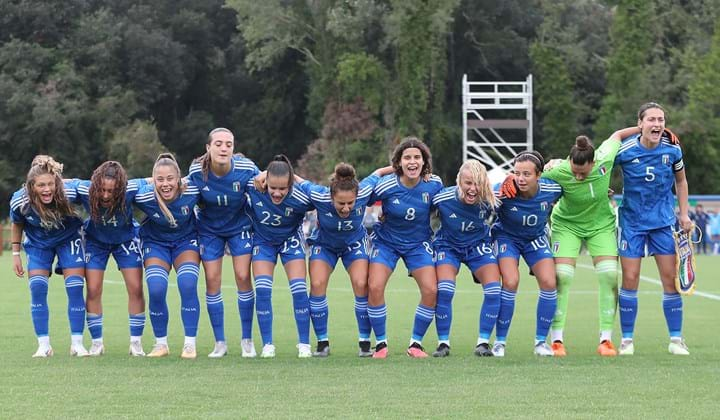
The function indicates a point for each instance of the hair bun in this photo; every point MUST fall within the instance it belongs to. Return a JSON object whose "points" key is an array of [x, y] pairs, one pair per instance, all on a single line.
{"points": [[583, 143], [344, 172]]}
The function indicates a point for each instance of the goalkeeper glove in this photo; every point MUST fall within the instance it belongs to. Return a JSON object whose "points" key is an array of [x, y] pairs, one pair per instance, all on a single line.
{"points": [[509, 188], [670, 136]]}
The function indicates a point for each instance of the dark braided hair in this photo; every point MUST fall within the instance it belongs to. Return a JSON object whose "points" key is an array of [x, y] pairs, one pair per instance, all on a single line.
{"points": [[108, 170]]}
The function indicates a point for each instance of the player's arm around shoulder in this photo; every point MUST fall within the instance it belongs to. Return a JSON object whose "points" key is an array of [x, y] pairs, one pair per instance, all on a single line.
{"points": [[609, 149], [556, 170]]}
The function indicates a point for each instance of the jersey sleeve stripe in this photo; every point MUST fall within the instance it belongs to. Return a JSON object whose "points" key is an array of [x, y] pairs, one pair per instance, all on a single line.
{"points": [[19, 202], [300, 196], [549, 187], [383, 187], [629, 145], [365, 192], [194, 168]]}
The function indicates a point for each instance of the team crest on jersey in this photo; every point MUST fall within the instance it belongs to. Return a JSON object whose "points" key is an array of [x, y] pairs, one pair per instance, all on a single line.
{"points": [[288, 211], [602, 170], [236, 186], [556, 247], [358, 212], [185, 210], [426, 197], [666, 159], [544, 206]]}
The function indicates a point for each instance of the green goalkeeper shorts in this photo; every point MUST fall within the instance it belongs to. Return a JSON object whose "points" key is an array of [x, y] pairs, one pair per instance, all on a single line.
{"points": [[566, 244]]}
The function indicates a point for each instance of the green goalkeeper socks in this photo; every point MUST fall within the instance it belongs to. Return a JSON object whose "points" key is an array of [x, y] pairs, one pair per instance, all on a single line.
{"points": [[607, 271], [565, 274]]}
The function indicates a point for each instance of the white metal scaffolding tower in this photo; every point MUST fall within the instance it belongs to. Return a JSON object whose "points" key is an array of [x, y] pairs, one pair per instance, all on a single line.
{"points": [[497, 121]]}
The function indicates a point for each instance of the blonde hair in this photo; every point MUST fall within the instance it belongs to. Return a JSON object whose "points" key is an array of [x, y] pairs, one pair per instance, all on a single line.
{"points": [[50, 214], [478, 173], [167, 159]]}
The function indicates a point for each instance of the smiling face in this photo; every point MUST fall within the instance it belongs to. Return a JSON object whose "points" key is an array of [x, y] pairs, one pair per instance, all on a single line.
{"points": [[44, 187], [652, 125], [526, 176], [278, 188], [411, 163], [469, 189], [167, 181], [221, 148], [344, 201]]}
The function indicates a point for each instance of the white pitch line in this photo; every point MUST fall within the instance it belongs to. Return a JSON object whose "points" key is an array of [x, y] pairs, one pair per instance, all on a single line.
{"points": [[658, 282], [479, 290]]}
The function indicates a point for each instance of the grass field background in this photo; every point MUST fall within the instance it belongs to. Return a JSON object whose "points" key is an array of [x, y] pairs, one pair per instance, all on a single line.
{"points": [[651, 384]]}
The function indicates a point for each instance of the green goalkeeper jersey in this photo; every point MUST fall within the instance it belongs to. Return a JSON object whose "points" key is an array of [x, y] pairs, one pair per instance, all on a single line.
{"points": [[584, 208]]}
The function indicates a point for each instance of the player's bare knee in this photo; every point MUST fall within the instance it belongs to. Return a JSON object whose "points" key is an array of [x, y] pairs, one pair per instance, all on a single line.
{"points": [[376, 294], [428, 294], [243, 281], [510, 283]]}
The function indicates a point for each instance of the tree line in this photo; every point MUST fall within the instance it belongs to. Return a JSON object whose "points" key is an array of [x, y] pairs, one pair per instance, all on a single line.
{"points": [[330, 80]]}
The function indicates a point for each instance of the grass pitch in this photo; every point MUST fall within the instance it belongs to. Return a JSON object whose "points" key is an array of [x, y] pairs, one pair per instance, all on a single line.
{"points": [[651, 384]]}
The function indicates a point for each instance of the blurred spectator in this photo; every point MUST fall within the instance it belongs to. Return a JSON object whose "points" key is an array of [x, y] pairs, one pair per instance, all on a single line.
{"points": [[702, 232], [715, 231]]}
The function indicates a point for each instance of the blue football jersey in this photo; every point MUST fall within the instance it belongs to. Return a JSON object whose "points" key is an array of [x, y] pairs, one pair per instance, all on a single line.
{"points": [[112, 229], [525, 218], [274, 223], [406, 211], [37, 232], [222, 205], [332, 230], [648, 178], [462, 225], [156, 226]]}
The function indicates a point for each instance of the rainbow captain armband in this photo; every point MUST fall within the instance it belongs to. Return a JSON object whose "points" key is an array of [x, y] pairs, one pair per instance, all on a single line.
{"points": [[685, 279]]}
